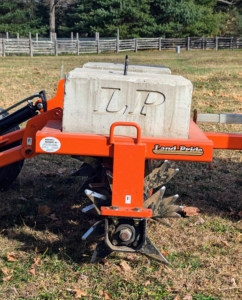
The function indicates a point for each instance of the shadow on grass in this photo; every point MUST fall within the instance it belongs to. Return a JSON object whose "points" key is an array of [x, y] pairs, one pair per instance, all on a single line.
{"points": [[42, 209]]}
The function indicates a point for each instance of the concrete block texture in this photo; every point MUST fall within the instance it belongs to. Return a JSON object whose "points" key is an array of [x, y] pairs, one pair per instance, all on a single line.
{"points": [[95, 99], [131, 68]]}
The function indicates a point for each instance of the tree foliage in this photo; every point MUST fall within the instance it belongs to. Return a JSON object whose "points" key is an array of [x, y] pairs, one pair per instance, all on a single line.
{"points": [[134, 18], [185, 17], [20, 17], [145, 18]]}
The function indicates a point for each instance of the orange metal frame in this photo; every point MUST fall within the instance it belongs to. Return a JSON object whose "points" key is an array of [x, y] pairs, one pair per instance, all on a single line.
{"points": [[128, 153]]}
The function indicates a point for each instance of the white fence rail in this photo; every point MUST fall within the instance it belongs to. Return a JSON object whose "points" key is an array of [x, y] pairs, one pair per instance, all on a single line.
{"points": [[79, 46]]}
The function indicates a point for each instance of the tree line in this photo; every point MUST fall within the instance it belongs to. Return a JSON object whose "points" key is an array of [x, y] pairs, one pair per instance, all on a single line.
{"points": [[133, 18]]}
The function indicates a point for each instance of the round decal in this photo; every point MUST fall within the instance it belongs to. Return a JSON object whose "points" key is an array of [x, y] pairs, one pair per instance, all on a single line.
{"points": [[50, 144]]}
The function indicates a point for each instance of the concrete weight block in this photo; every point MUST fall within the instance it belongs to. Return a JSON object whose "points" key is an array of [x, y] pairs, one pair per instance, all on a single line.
{"points": [[95, 99], [131, 68]]}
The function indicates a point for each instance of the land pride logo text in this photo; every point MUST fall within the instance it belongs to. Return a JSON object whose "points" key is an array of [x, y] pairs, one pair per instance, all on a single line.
{"points": [[178, 150]]}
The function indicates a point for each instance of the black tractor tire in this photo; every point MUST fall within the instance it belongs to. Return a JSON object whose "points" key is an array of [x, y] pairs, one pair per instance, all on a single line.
{"points": [[9, 173]]}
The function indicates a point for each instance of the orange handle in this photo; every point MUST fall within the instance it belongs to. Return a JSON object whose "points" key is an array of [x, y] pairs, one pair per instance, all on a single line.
{"points": [[111, 140]]}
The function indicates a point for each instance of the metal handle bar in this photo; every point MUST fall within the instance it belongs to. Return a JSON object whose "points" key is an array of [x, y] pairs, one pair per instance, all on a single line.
{"points": [[132, 124]]}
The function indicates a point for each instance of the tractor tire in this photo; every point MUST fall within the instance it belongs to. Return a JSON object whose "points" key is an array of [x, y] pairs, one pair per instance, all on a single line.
{"points": [[9, 173]]}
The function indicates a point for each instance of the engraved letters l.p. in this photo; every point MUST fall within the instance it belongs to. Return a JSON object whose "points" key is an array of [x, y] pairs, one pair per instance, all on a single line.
{"points": [[111, 100]]}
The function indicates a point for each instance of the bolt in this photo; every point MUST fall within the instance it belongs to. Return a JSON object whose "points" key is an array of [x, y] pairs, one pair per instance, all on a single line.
{"points": [[114, 207], [136, 209], [115, 221], [115, 242], [56, 114], [125, 234], [40, 106], [28, 151], [136, 222]]}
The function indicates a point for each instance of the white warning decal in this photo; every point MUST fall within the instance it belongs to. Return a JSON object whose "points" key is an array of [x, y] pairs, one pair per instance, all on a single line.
{"points": [[29, 141], [128, 199], [50, 144]]}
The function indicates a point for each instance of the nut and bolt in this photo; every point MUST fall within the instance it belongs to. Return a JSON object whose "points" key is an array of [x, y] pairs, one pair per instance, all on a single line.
{"points": [[114, 207], [40, 106], [125, 234], [136, 209], [28, 151], [115, 221], [136, 222]]}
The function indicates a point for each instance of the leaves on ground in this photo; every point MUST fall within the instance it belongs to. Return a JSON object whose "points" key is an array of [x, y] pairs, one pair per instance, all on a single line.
{"points": [[199, 221], [53, 217], [44, 210], [104, 295], [32, 270], [191, 211], [225, 243], [11, 256], [79, 293], [6, 271], [7, 278], [164, 253], [187, 297], [124, 266]]}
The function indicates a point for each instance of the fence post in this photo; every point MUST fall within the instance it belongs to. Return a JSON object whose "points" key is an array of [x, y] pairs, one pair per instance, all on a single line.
{"points": [[136, 44], [188, 43], [72, 36], [159, 44], [202, 45], [18, 37], [97, 40], [231, 44], [216, 43], [4, 54], [6, 35], [30, 45], [117, 41], [37, 39], [77, 43], [56, 46]]}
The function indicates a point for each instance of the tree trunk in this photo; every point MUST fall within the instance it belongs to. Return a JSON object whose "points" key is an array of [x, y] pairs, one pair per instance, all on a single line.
{"points": [[52, 20]]}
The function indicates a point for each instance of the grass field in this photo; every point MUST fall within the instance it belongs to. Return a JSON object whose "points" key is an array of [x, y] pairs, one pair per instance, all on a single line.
{"points": [[42, 255]]}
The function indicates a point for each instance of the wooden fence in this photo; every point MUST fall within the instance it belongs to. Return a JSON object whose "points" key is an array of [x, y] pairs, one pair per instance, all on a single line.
{"points": [[29, 46]]}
